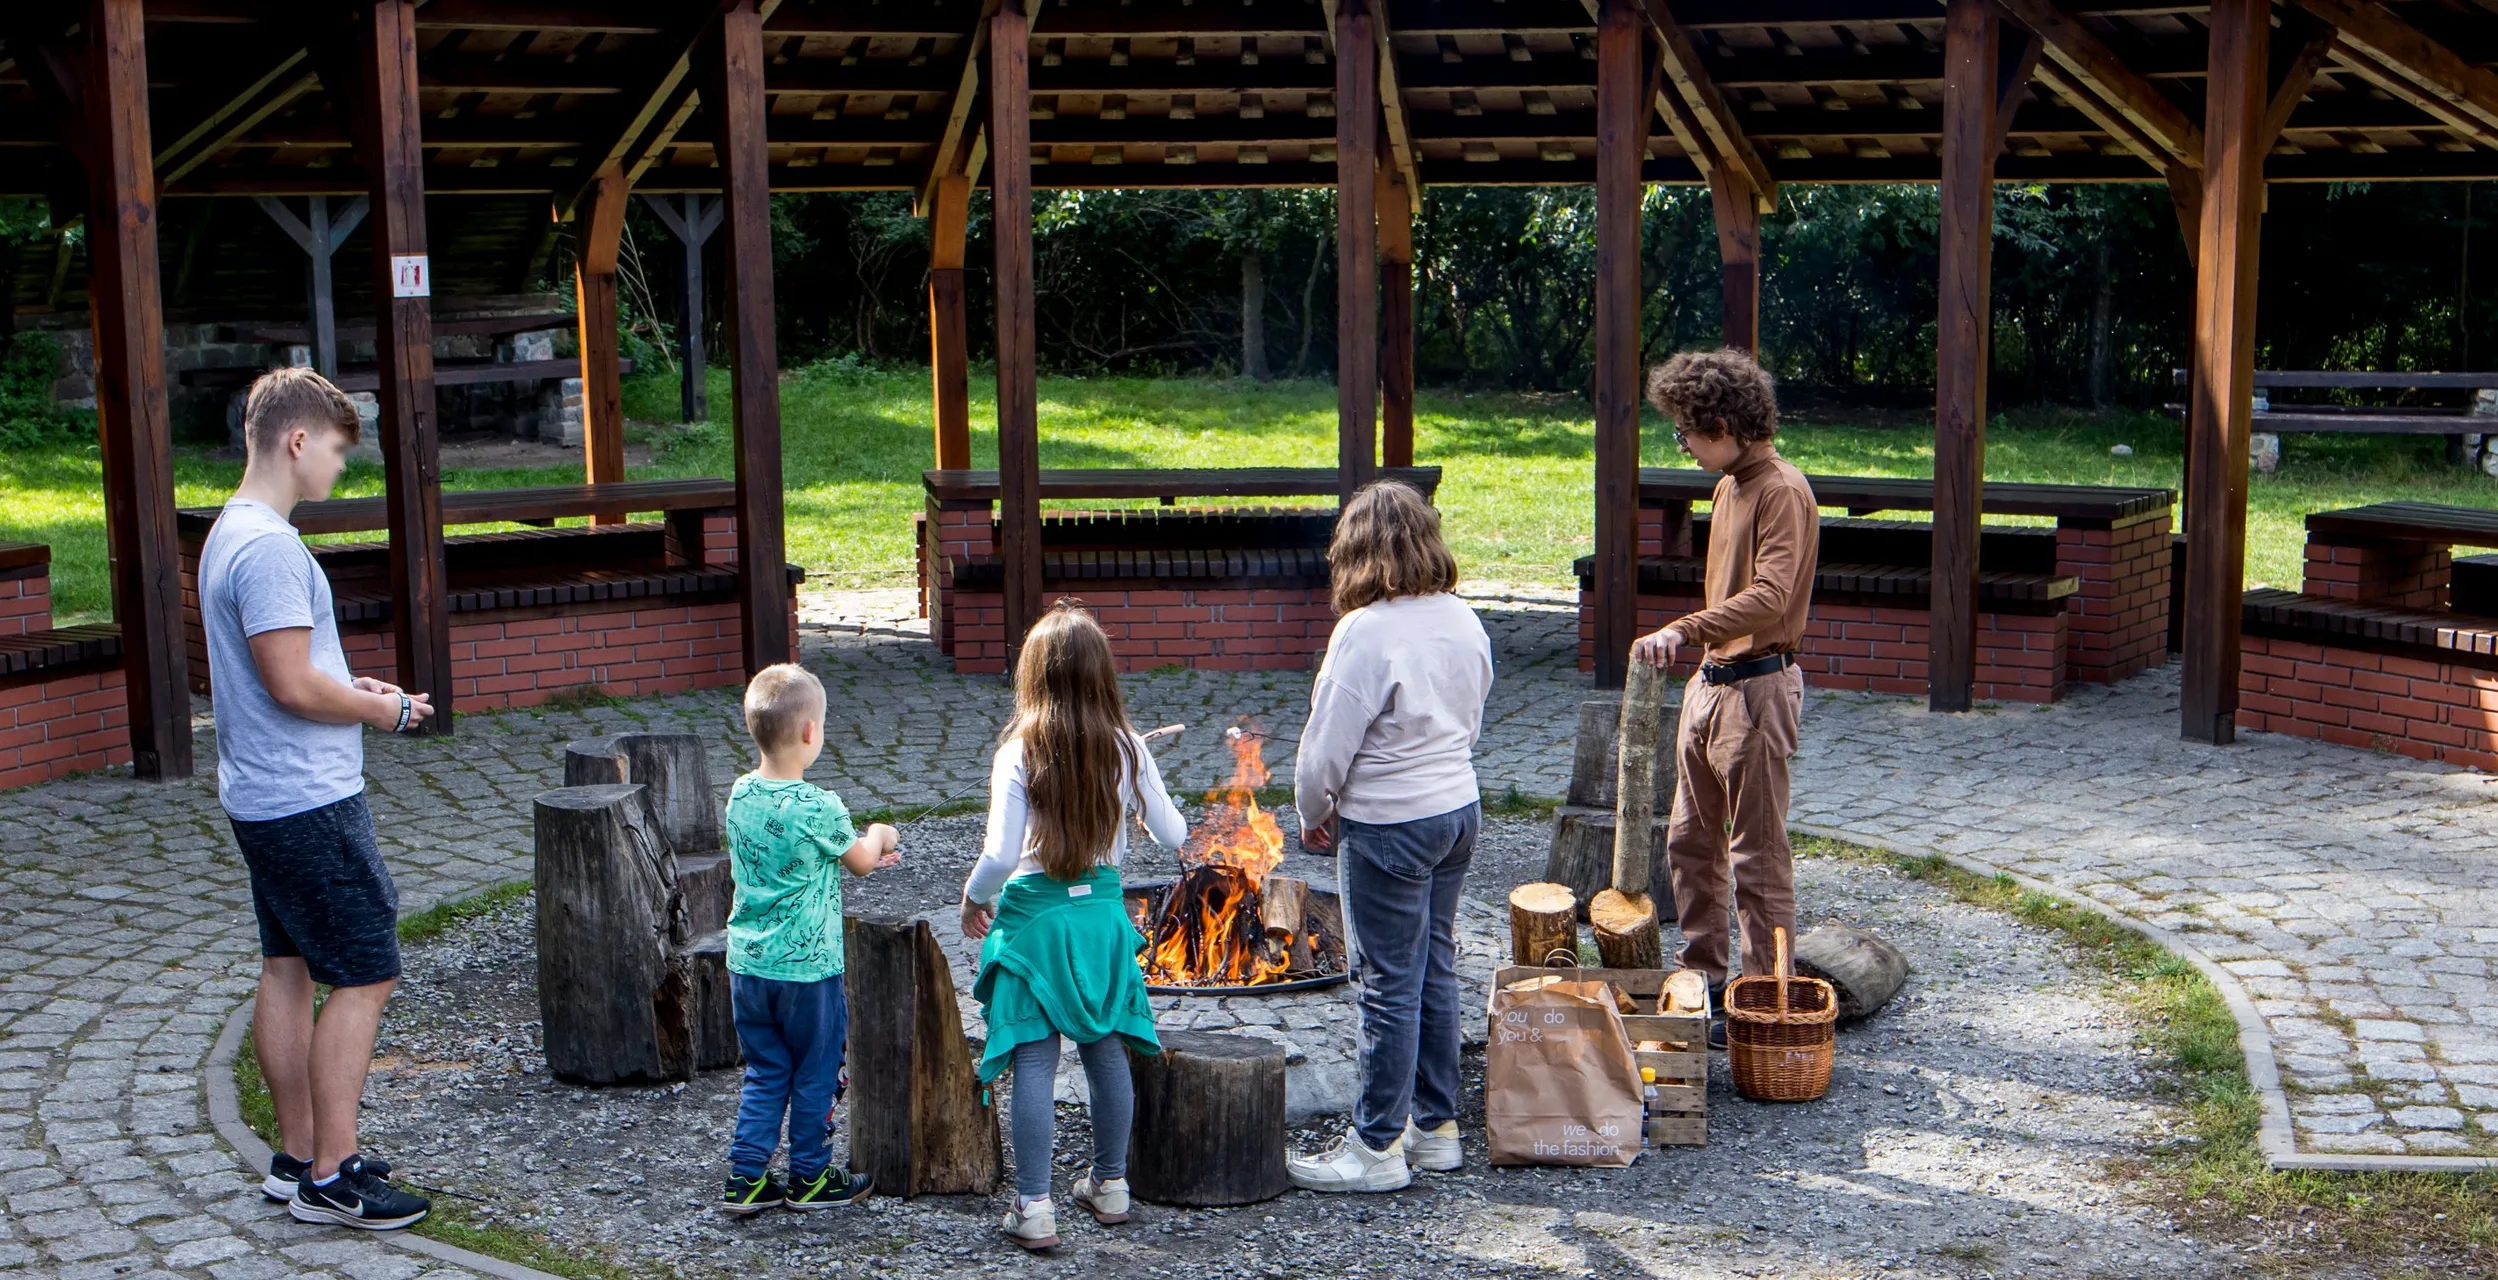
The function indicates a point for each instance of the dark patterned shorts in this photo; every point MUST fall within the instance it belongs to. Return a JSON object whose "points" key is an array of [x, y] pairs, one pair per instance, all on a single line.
{"points": [[322, 893]]}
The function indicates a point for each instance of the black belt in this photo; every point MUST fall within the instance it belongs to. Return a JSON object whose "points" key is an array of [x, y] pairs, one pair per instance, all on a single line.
{"points": [[1730, 672]]}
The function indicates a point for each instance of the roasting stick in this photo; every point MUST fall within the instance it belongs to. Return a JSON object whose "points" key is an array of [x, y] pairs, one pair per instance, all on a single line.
{"points": [[1166, 731]]}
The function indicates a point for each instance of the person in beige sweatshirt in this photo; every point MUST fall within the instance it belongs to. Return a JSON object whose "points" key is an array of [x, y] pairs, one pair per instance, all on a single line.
{"points": [[1740, 712]]}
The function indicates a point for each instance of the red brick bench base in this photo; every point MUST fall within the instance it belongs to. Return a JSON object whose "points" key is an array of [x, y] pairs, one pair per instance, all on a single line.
{"points": [[62, 709], [1882, 649], [2420, 683], [1219, 628], [629, 648]]}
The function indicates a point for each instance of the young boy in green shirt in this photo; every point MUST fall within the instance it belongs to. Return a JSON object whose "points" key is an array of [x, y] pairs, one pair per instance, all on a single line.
{"points": [[789, 842]]}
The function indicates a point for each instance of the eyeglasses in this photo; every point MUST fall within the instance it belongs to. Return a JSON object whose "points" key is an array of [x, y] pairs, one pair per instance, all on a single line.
{"points": [[1681, 441]]}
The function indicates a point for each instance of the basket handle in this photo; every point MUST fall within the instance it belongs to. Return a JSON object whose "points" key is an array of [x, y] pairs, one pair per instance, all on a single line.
{"points": [[1568, 955], [1786, 967]]}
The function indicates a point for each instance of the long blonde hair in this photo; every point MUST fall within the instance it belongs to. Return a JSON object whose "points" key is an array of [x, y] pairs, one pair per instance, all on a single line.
{"points": [[1073, 726], [1387, 545]]}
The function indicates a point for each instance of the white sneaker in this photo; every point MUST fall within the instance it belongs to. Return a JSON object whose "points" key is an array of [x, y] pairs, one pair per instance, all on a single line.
{"points": [[1106, 1201], [1034, 1225], [1434, 1150], [1350, 1165]]}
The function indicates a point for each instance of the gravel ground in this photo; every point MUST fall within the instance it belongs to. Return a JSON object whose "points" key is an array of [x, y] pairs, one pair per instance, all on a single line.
{"points": [[1970, 1131]]}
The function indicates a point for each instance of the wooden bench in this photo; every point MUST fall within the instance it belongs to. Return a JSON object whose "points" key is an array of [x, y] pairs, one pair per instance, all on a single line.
{"points": [[2269, 423], [1230, 587], [2419, 682], [62, 708], [2111, 543], [630, 609]]}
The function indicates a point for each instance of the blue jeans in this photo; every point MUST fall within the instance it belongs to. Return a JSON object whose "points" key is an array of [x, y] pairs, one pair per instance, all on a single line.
{"points": [[792, 1034], [1400, 883]]}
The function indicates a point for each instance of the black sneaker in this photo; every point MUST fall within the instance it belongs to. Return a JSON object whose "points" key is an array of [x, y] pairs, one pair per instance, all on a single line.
{"points": [[827, 1189], [357, 1198], [1717, 1034], [742, 1196], [285, 1171]]}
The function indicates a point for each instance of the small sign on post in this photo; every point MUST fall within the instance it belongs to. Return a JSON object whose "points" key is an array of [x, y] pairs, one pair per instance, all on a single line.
{"points": [[410, 276]]}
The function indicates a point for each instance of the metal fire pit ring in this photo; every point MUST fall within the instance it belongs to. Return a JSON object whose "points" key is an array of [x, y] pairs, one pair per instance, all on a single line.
{"points": [[1153, 891]]}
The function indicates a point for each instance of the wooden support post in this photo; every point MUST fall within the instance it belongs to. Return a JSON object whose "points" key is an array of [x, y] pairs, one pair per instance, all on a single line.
{"points": [[387, 117], [691, 220], [318, 235], [1620, 137], [135, 429], [949, 361], [2222, 399], [1018, 395], [1971, 43], [1739, 255], [594, 286], [733, 97], [1396, 317], [1357, 234]]}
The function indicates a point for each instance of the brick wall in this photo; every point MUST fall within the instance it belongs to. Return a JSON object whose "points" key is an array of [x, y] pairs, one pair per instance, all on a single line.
{"points": [[629, 648], [2118, 621], [2426, 710], [947, 530], [71, 722], [1221, 629], [25, 600], [1881, 649], [2410, 575]]}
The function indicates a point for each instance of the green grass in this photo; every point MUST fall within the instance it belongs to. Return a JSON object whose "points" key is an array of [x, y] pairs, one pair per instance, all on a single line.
{"points": [[1516, 489], [2217, 1178], [442, 917]]}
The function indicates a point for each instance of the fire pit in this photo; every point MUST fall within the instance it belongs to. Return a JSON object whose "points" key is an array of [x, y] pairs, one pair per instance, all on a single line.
{"points": [[1228, 924]]}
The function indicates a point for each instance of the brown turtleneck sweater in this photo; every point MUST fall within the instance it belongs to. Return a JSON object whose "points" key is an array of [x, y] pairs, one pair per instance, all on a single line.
{"points": [[1764, 542]]}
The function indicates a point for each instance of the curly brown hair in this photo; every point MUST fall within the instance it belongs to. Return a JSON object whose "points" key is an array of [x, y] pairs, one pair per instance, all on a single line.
{"points": [[1710, 393]]}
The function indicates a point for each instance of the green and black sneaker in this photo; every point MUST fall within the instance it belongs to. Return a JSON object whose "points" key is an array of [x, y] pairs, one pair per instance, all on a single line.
{"points": [[742, 1195], [827, 1189]]}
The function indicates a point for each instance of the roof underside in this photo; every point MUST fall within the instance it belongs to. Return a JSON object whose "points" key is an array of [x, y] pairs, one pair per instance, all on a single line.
{"points": [[529, 96]]}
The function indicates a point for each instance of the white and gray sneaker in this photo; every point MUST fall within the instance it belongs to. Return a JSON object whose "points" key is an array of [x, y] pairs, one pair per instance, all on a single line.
{"points": [[1434, 1150], [1350, 1165], [1106, 1200], [1033, 1225]]}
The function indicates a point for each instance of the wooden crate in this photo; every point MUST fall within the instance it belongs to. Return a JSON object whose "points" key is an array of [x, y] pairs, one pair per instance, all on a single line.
{"points": [[1681, 1117]]}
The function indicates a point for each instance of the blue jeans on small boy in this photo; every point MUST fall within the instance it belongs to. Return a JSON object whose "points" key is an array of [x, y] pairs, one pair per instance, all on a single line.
{"points": [[792, 1034], [1400, 883]]}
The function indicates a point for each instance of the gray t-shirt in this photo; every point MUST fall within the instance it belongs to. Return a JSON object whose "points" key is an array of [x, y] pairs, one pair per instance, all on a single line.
{"points": [[255, 575]]}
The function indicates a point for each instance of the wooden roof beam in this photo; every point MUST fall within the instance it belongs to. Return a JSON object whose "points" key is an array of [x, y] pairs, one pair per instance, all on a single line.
{"points": [[2305, 45], [2082, 97], [1688, 74], [654, 83], [953, 145], [1391, 100], [289, 77], [2015, 62], [2089, 60], [2378, 44]]}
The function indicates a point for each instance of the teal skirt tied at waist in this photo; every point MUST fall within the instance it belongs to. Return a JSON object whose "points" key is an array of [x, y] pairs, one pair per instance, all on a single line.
{"points": [[1060, 959]]}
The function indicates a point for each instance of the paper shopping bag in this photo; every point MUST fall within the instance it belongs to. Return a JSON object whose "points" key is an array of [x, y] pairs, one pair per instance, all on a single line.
{"points": [[1559, 1085]]}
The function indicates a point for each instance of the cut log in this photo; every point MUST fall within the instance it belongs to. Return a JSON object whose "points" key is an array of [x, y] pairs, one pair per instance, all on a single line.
{"points": [[1686, 991], [1866, 970], [611, 993], [674, 769], [708, 892], [1595, 758], [1582, 852], [715, 1011], [1625, 925], [1283, 907], [593, 762], [1634, 803], [1209, 1120], [1543, 925], [920, 1121]]}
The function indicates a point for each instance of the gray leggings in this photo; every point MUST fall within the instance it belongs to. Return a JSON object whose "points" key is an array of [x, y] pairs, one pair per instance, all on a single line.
{"points": [[1036, 1110]]}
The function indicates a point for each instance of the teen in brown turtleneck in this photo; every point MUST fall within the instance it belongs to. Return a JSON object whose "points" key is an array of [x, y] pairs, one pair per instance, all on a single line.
{"points": [[1740, 712]]}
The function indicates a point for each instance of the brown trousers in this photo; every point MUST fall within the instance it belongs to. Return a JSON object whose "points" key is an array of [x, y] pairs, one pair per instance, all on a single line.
{"points": [[1732, 752]]}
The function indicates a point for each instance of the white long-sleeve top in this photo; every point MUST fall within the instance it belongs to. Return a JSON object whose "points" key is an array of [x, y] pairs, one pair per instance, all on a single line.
{"points": [[1395, 713], [1010, 848]]}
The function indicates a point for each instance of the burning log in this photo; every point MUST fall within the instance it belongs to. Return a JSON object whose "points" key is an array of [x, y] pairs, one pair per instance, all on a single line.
{"points": [[1625, 925], [1543, 924], [1283, 910]]}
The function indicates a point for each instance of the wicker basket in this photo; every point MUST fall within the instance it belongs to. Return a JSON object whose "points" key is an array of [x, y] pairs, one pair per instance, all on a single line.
{"points": [[1781, 1031]]}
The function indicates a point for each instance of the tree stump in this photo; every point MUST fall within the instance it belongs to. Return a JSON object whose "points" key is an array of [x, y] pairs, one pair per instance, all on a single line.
{"points": [[1634, 803], [1209, 1120], [1582, 852], [611, 994], [1595, 759], [1866, 971], [715, 1010], [921, 1123], [595, 762], [674, 769], [1625, 925], [703, 882], [1543, 921]]}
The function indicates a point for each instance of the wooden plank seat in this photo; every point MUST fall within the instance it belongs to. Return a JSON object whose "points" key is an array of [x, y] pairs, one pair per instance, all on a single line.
{"points": [[2438, 635], [1864, 495], [539, 505], [1999, 591], [2412, 419], [447, 373], [34, 653], [1168, 484], [574, 588], [1174, 529], [1240, 566]]}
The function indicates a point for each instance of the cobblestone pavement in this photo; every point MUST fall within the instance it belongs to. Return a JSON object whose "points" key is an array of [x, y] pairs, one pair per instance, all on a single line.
{"points": [[2351, 893]]}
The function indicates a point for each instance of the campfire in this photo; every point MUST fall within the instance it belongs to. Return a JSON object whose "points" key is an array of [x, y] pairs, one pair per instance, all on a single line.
{"points": [[1229, 921]]}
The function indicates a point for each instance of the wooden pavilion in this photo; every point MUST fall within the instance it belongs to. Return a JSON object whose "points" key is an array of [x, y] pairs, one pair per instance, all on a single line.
{"points": [[109, 107]]}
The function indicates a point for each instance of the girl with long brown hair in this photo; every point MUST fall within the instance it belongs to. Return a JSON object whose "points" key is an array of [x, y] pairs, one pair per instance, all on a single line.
{"points": [[1058, 955]]}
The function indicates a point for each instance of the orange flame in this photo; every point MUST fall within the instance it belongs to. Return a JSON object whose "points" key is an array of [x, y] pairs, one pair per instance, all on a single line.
{"points": [[1215, 939]]}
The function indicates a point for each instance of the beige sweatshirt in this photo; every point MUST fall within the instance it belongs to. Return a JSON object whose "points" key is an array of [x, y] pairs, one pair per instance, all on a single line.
{"points": [[1764, 543], [1395, 712]]}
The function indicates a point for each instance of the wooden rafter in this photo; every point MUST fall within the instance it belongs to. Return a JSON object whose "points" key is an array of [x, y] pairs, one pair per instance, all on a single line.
{"points": [[2295, 61], [953, 147], [2015, 63], [287, 78], [655, 84], [672, 121], [1392, 110], [2116, 124], [2394, 55], [1688, 73], [2088, 59]]}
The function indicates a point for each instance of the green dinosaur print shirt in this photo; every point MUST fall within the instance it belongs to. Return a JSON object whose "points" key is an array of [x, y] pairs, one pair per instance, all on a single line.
{"points": [[785, 845]]}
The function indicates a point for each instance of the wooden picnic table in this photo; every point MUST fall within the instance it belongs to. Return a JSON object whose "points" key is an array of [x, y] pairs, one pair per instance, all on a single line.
{"points": [[539, 506], [1865, 495], [2426, 522], [1167, 483]]}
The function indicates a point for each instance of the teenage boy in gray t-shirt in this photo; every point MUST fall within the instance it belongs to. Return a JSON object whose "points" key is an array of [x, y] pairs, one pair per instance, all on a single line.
{"points": [[290, 774]]}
